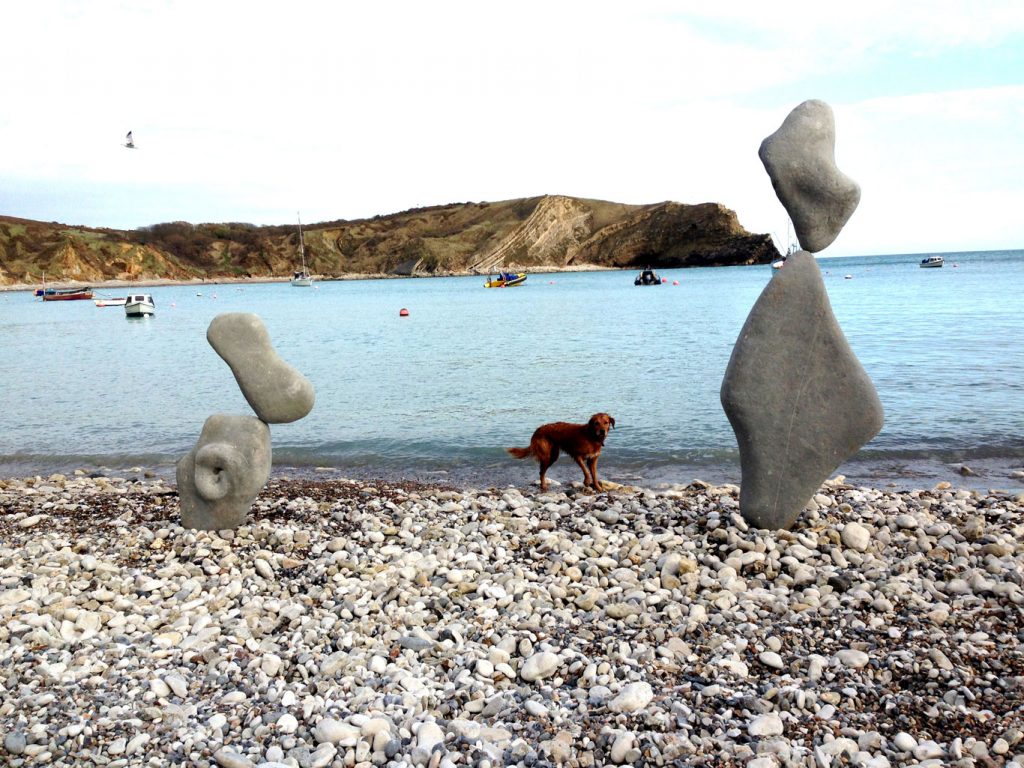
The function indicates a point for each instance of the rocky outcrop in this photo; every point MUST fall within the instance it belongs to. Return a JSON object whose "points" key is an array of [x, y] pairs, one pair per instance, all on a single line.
{"points": [[551, 231]]}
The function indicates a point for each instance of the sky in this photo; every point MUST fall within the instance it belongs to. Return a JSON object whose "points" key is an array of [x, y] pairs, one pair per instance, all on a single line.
{"points": [[261, 111]]}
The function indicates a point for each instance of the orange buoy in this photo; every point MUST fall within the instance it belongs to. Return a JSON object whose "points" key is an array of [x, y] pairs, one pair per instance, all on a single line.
{"points": [[403, 312]]}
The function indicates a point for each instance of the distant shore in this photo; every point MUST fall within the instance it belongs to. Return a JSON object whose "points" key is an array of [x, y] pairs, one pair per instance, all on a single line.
{"points": [[161, 281]]}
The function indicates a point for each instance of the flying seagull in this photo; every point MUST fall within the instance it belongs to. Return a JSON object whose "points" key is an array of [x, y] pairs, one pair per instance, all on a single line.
{"points": [[128, 142]]}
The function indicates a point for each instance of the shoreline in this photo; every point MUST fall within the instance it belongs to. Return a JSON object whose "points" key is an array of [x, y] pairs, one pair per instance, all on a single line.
{"points": [[395, 624], [162, 281]]}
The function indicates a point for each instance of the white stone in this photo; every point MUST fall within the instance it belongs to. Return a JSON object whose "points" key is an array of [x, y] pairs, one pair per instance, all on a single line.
{"points": [[287, 723], [540, 666], [336, 732], [852, 658], [428, 735], [632, 698], [904, 742], [769, 724], [856, 536]]}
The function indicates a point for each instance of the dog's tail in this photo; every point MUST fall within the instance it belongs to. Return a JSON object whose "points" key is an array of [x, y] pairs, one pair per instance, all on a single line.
{"points": [[520, 453]]}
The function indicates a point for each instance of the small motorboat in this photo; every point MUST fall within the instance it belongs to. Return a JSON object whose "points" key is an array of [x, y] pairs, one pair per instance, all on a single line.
{"points": [[65, 294], [647, 277], [932, 261], [506, 280], [139, 305], [117, 301]]}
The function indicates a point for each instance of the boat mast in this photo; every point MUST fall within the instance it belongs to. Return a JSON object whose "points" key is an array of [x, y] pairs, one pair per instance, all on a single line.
{"points": [[302, 247]]}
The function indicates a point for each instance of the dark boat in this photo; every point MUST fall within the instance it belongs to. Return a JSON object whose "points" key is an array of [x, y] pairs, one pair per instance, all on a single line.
{"points": [[647, 277]]}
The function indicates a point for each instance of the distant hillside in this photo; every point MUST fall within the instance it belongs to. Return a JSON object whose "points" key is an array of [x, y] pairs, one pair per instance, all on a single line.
{"points": [[534, 233]]}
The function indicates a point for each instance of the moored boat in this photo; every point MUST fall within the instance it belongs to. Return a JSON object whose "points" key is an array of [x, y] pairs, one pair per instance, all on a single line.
{"points": [[139, 305], [932, 261], [65, 294], [117, 301], [301, 277], [647, 277], [506, 280]]}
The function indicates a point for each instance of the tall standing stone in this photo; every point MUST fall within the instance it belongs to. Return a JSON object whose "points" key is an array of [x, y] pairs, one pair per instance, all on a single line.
{"points": [[798, 399]]}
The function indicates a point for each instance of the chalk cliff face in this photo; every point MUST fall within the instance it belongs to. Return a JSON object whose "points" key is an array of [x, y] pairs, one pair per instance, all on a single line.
{"points": [[552, 231]]}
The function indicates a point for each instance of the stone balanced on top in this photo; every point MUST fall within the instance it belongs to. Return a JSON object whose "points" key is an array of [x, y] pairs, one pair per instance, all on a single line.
{"points": [[219, 479], [798, 399]]}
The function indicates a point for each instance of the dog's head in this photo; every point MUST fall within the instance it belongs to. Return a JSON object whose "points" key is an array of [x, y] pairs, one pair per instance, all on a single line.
{"points": [[600, 424]]}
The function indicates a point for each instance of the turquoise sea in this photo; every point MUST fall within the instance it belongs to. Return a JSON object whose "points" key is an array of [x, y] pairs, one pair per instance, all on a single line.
{"points": [[439, 394]]}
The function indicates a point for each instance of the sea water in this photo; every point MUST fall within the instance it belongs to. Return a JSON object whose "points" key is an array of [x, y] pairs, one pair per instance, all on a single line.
{"points": [[440, 393]]}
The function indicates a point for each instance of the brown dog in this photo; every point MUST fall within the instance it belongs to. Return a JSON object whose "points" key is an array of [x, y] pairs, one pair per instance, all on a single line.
{"points": [[581, 441]]}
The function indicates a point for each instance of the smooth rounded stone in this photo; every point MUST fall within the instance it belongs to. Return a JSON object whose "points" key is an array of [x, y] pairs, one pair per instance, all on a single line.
{"points": [[796, 396], [852, 658], [219, 479], [226, 758], [768, 724], [287, 723], [428, 735], [336, 732], [539, 666], [621, 746], [904, 742], [535, 708], [632, 698], [277, 392], [855, 536], [15, 742], [771, 659], [800, 158]]}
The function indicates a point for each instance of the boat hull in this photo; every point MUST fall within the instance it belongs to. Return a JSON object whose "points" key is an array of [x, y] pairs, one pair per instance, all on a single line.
{"points": [[302, 282], [519, 279], [67, 295]]}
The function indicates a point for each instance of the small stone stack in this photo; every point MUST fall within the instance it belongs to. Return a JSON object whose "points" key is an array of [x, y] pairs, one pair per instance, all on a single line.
{"points": [[219, 478]]}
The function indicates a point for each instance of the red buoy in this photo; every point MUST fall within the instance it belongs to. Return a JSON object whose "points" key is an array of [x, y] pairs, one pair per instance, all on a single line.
{"points": [[403, 312], [675, 282]]}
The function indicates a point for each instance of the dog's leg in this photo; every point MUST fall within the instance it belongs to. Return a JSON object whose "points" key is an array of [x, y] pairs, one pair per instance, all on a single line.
{"points": [[593, 475], [586, 472], [546, 459]]}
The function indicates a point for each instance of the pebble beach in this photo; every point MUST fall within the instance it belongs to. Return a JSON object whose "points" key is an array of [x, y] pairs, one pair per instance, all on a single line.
{"points": [[372, 623]]}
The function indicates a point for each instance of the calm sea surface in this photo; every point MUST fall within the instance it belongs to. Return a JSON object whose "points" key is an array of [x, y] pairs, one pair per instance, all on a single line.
{"points": [[439, 394]]}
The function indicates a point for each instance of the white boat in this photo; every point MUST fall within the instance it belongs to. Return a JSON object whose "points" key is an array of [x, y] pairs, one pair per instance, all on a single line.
{"points": [[114, 302], [932, 261], [129, 141], [301, 277], [139, 305], [791, 248]]}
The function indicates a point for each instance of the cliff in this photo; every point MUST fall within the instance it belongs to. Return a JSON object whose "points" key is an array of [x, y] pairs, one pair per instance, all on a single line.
{"points": [[551, 231]]}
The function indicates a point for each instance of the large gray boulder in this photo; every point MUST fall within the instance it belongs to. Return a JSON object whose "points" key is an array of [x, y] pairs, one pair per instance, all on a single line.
{"points": [[219, 479], [801, 162], [277, 392], [798, 399]]}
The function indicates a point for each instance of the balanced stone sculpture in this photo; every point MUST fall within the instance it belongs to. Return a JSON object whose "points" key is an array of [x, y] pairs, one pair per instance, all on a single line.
{"points": [[219, 479], [277, 392], [798, 399], [800, 158]]}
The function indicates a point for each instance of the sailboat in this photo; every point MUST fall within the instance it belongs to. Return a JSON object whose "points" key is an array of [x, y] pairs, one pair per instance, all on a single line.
{"points": [[129, 141], [301, 278], [791, 247]]}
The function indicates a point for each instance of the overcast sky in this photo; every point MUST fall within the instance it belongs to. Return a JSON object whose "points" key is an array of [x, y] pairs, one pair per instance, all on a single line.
{"points": [[254, 111]]}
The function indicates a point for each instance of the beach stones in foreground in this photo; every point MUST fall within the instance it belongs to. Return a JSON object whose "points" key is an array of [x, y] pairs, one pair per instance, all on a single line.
{"points": [[798, 399], [800, 160], [277, 392], [219, 479]]}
